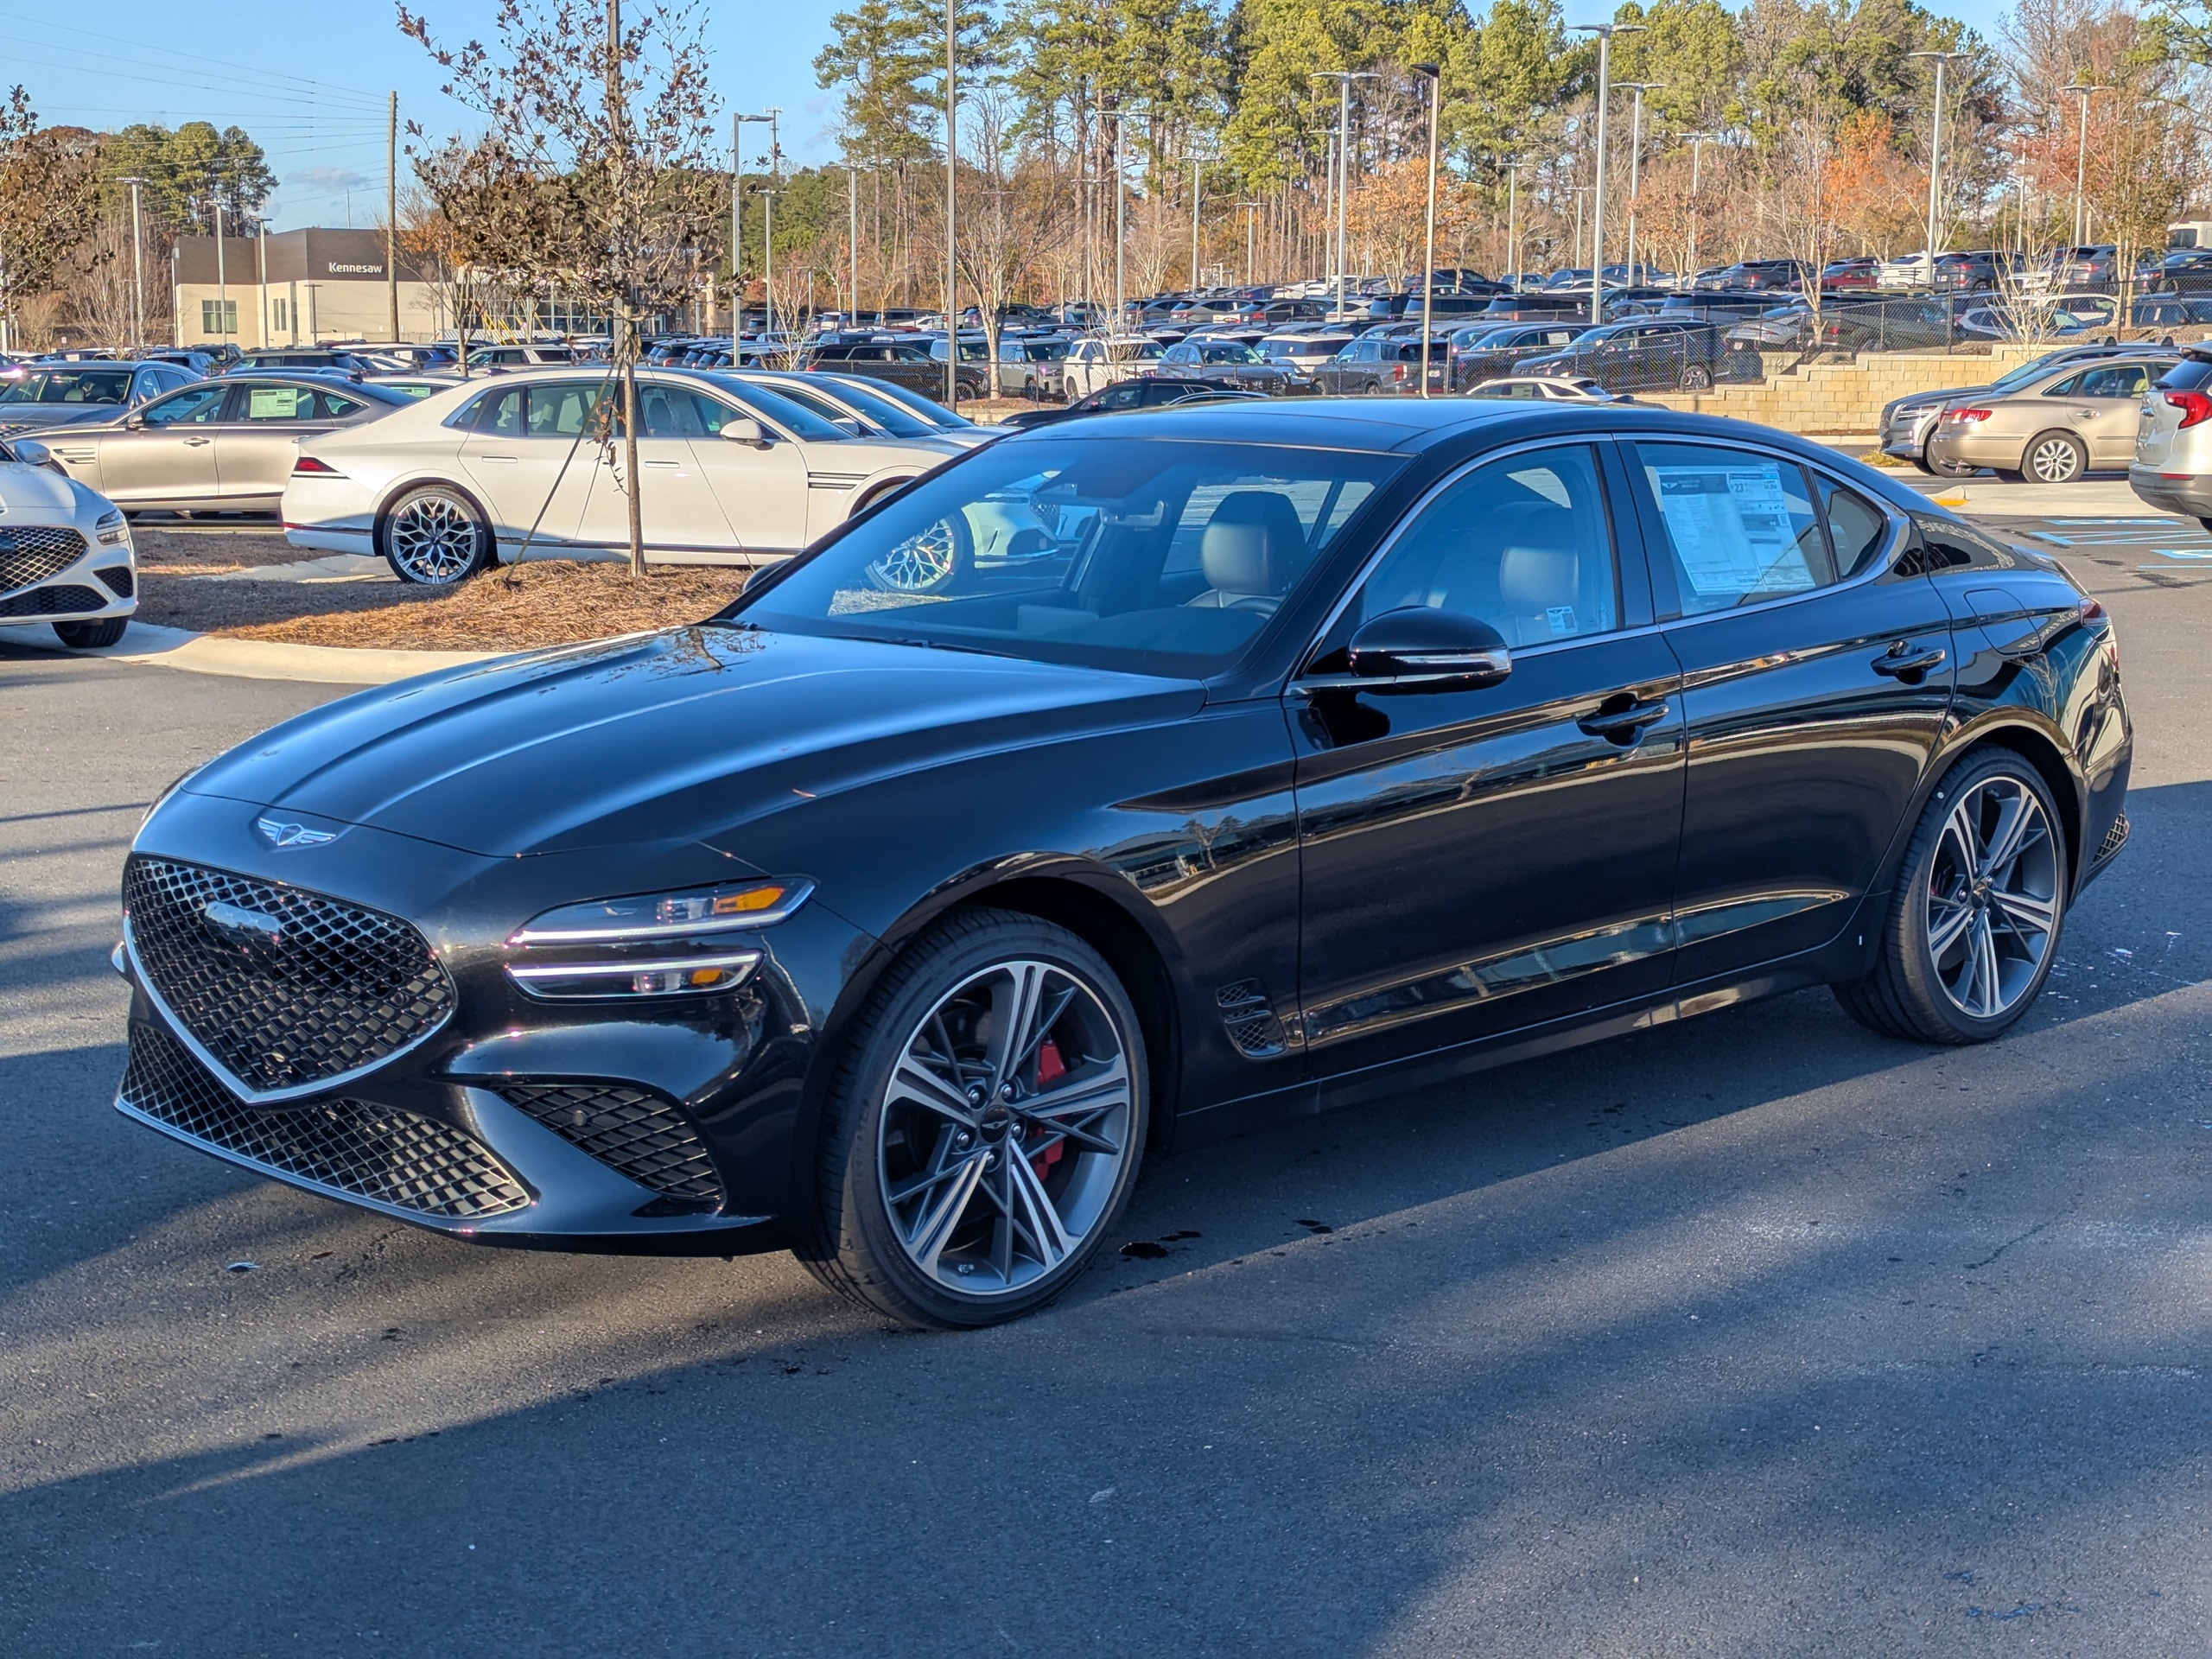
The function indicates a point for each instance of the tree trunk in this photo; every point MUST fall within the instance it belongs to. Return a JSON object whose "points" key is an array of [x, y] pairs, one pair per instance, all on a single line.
{"points": [[626, 345]]}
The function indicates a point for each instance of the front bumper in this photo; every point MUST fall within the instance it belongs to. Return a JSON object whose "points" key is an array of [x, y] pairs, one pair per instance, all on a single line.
{"points": [[1905, 435], [101, 581], [2190, 495], [665, 1123]]}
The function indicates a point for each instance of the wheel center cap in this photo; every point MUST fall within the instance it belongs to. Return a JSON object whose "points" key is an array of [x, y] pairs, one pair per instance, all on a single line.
{"points": [[994, 1122]]}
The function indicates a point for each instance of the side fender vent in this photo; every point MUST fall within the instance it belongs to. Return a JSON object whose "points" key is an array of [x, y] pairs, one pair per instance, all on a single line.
{"points": [[1249, 1019]]}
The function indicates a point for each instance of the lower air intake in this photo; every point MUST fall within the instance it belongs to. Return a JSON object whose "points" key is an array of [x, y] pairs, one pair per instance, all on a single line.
{"points": [[347, 1146], [634, 1132]]}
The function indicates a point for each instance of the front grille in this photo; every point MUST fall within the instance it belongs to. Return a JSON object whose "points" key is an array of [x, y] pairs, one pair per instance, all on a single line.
{"points": [[336, 988], [52, 601], [396, 1158], [2115, 837], [118, 580], [31, 553], [634, 1132]]}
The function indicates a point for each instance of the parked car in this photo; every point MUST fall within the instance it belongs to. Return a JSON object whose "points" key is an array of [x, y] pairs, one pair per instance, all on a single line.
{"points": [[216, 446], [1375, 364], [1226, 363], [1547, 389], [1906, 422], [2045, 318], [1484, 351], [45, 395], [1303, 349], [1030, 366], [698, 940], [1648, 354], [1854, 275], [863, 407], [2170, 311], [66, 556], [944, 423], [2172, 467], [1758, 276], [907, 364], [504, 356], [1092, 364], [730, 474], [2054, 429], [1151, 391], [1971, 272]]}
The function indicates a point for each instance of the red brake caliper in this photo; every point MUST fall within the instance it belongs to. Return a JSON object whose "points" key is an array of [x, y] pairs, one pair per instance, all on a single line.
{"points": [[1049, 1067]]}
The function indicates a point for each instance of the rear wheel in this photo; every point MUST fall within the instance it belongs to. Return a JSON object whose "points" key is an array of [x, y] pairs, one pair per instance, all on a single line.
{"points": [[1697, 377], [984, 1128], [434, 537], [2055, 458], [927, 560], [1974, 926], [91, 636]]}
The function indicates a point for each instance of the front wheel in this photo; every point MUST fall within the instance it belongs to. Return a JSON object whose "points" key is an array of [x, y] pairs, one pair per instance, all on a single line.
{"points": [[985, 1127], [91, 636], [1973, 927], [432, 537], [1696, 377]]}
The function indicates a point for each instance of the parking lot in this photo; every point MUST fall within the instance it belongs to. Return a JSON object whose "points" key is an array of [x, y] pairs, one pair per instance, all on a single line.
{"points": [[1753, 1334]]}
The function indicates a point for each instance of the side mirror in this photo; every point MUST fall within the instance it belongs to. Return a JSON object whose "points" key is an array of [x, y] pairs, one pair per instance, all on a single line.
{"points": [[134, 422], [32, 453], [1418, 649], [745, 429]]}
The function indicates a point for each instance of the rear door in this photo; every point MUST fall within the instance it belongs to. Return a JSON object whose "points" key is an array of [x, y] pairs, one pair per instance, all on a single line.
{"points": [[2113, 395], [258, 439], [531, 452], [1819, 675]]}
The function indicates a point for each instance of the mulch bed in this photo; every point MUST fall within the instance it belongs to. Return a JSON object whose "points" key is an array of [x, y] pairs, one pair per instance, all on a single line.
{"points": [[545, 602]]}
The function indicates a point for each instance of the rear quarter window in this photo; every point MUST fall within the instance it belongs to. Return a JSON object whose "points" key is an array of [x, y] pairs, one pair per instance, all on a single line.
{"points": [[2187, 375]]}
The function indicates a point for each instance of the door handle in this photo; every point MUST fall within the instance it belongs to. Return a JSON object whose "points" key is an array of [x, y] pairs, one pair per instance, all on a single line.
{"points": [[1900, 665], [194, 443], [1624, 725], [507, 459], [665, 466]]}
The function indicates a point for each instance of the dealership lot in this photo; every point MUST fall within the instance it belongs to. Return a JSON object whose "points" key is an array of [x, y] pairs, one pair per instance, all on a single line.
{"points": [[1750, 1334]]}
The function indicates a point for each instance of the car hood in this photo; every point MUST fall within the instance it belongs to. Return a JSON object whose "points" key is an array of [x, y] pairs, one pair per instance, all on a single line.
{"points": [[661, 738], [35, 492], [39, 417]]}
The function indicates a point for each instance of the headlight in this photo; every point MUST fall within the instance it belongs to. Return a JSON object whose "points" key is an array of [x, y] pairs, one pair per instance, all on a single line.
{"points": [[182, 778], [685, 976], [685, 913], [110, 530]]}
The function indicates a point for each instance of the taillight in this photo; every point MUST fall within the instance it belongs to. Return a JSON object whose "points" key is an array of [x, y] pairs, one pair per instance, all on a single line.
{"points": [[1967, 416], [2091, 610], [2195, 406], [308, 465], [1399, 372]]}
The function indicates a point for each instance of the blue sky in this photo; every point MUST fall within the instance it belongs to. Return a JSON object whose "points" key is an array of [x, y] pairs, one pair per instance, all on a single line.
{"points": [[308, 80]]}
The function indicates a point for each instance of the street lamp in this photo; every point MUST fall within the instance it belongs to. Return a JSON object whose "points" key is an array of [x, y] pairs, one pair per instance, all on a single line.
{"points": [[1120, 234], [1197, 174], [1697, 144], [1513, 164], [2085, 92], [1251, 214], [137, 265], [1943, 60], [1344, 77], [1636, 158], [1434, 76], [737, 214], [1604, 32]]}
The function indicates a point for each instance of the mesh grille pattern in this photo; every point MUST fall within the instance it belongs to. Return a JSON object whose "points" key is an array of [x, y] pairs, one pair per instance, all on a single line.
{"points": [[397, 1158], [52, 601], [336, 988], [118, 579], [632, 1131], [31, 553], [2115, 838], [1249, 1019]]}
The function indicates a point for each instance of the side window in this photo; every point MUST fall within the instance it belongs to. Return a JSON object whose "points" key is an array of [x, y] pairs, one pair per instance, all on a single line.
{"points": [[329, 406], [1127, 395], [679, 412], [197, 407], [1737, 524], [564, 409], [2112, 381], [499, 414], [1521, 543], [265, 403], [2069, 387], [1858, 530]]}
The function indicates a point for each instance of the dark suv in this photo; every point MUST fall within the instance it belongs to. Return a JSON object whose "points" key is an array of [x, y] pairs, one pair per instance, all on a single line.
{"points": [[903, 365], [1650, 354], [1483, 352]]}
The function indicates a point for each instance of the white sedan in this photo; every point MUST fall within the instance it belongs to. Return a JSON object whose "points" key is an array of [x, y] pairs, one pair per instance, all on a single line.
{"points": [[65, 554], [729, 473]]}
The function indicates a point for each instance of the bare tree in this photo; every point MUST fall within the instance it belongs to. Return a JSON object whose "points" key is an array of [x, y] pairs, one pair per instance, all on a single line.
{"points": [[48, 200], [600, 150]]}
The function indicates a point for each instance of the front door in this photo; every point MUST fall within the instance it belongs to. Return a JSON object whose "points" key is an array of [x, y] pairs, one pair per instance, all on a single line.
{"points": [[171, 457], [1819, 679], [531, 452], [676, 505], [1477, 861]]}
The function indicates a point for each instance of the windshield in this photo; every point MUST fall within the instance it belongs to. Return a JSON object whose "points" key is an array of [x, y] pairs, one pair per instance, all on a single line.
{"points": [[1229, 354], [891, 392], [894, 418], [1148, 555], [795, 419], [70, 386]]}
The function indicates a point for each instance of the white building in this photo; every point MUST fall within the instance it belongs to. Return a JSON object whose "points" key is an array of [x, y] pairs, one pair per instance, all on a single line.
{"points": [[294, 287]]}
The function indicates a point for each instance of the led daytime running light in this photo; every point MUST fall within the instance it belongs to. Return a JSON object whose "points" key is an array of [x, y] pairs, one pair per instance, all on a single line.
{"points": [[685, 913]]}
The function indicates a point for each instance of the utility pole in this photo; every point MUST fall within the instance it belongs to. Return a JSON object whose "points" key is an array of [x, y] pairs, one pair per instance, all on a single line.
{"points": [[1604, 32], [1197, 174], [853, 239], [1344, 77], [1513, 166], [1251, 212], [1433, 74], [2085, 91], [222, 279], [1697, 142], [1636, 160], [137, 265], [1936, 155], [391, 211], [1120, 182]]}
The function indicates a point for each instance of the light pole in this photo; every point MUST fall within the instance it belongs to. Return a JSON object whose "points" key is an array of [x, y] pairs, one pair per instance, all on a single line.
{"points": [[1936, 155], [137, 265], [1251, 219], [1604, 32], [1513, 164], [951, 202], [1120, 234], [1635, 159], [1434, 76], [2085, 92], [768, 259], [1344, 77], [1197, 174], [737, 216], [222, 279], [1581, 191], [1697, 142]]}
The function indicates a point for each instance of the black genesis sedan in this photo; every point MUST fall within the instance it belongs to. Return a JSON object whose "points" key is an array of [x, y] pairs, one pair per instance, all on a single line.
{"points": [[1118, 786]]}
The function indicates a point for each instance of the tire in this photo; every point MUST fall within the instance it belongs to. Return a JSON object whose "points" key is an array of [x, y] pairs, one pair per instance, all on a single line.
{"points": [[1963, 955], [91, 636], [1697, 377], [915, 1189], [2054, 457], [1925, 465], [433, 537], [2007, 475]]}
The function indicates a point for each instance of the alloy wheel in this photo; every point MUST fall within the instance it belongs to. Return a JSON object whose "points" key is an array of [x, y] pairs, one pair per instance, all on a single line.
{"points": [[1005, 1128], [922, 562], [2054, 460], [433, 539], [1993, 898]]}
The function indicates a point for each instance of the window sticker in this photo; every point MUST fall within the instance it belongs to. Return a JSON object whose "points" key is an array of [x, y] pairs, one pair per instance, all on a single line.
{"points": [[273, 403], [1560, 619], [1730, 528]]}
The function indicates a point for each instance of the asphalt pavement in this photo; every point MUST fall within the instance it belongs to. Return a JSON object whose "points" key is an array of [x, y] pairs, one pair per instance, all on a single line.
{"points": [[1752, 1335]]}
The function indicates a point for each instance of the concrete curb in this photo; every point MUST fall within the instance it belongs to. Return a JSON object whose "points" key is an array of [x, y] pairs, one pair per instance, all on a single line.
{"points": [[150, 645]]}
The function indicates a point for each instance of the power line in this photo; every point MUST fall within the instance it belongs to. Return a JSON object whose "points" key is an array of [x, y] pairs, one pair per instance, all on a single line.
{"points": [[107, 55]]}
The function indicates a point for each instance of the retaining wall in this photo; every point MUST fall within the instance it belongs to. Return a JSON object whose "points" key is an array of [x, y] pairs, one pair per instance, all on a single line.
{"points": [[1847, 397]]}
